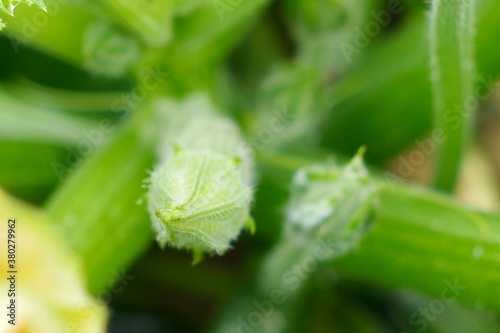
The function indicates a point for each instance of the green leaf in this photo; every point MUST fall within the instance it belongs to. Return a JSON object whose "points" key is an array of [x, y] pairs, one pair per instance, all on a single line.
{"points": [[393, 108], [24, 121], [8, 7], [76, 34]]}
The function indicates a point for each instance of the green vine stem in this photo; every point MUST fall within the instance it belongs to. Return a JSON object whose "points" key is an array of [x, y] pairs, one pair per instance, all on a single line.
{"points": [[439, 244], [113, 221], [453, 76]]}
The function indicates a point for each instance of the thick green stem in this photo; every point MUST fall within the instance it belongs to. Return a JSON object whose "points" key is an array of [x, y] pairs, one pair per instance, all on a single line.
{"points": [[453, 77], [414, 316], [98, 208], [428, 242]]}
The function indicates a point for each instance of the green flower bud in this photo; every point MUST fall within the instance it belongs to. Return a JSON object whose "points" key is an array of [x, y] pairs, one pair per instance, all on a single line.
{"points": [[328, 199], [200, 193], [329, 211]]}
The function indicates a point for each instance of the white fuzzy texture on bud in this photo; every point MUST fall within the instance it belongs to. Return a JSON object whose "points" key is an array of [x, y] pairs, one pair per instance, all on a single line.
{"points": [[200, 193]]}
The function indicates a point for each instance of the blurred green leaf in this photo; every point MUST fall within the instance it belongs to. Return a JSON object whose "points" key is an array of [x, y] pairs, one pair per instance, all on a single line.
{"points": [[75, 33], [385, 102]]}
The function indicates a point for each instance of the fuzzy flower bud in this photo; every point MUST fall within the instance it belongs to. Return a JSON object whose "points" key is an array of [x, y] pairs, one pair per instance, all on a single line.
{"points": [[330, 205], [200, 193]]}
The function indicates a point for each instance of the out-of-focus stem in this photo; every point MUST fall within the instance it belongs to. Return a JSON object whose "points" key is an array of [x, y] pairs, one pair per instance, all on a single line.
{"points": [[452, 26], [98, 208]]}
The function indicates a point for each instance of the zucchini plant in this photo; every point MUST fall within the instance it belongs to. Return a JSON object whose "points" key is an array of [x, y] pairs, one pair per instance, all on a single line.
{"points": [[249, 166]]}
